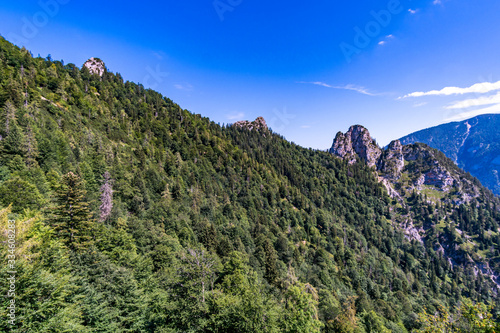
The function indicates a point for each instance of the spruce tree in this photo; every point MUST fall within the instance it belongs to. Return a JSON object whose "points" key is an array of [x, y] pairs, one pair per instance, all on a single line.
{"points": [[71, 218]]}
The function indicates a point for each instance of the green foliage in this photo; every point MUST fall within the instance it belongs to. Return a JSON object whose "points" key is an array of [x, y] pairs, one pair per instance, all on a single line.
{"points": [[21, 194], [469, 317], [44, 285], [212, 228], [71, 217], [301, 313]]}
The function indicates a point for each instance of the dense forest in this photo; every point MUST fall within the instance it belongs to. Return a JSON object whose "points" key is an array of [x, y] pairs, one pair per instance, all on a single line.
{"points": [[134, 215]]}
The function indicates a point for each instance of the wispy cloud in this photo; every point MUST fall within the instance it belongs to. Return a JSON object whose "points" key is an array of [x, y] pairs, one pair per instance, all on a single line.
{"points": [[471, 107], [485, 100], [437, 2], [185, 86], [417, 105], [412, 11], [469, 114], [386, 40], [235, 116], [478, 88], [352, 87]]}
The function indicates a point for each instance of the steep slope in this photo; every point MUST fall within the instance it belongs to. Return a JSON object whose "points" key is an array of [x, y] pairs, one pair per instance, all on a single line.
{"points": [[473, 144], [135, 215], [418, 172]]}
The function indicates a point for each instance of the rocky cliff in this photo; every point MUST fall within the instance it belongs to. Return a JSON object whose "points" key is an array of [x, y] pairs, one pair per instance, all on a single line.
{"points": [[407, 168], [473, 144], [95, 66], [357, 142], [418, 172], [258, 124]]}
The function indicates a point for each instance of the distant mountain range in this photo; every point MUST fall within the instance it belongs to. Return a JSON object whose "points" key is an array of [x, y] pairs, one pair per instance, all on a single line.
{"points": [[473, 144]]}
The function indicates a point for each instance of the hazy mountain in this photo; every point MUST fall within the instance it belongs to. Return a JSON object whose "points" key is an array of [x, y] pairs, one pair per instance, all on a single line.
{"points": [[473, 144]]}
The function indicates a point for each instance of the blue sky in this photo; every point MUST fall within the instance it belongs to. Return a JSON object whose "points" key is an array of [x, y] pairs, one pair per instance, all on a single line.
{"points": [[310, 69]]}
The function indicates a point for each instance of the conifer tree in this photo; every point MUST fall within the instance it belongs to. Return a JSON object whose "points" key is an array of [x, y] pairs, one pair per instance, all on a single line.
{"points": [[71, 216]]}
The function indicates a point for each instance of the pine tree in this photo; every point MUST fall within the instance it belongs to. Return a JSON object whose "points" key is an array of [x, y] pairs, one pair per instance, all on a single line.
{"points": [[71, 216]]}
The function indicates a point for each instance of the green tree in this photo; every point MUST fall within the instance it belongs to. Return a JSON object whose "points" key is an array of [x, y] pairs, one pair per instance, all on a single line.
{"points": [[44, 285], [195, 275], [21, 194], [71, 218], [301, 313], [240, 303]]}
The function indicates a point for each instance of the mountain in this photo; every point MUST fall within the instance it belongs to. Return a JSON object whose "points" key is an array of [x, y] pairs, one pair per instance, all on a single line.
{"points": [[135, 215], [406, 170], [473, 144]]}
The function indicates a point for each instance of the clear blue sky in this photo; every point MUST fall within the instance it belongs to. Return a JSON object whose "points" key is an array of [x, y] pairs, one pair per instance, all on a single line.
{"points": [[310, 68]]}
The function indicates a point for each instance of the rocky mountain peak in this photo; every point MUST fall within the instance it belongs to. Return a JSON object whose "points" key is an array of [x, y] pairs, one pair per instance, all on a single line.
{"points": [[258, 124], [392, 161], [405, 167], [95, 66], [356, 142], [473, 144]]}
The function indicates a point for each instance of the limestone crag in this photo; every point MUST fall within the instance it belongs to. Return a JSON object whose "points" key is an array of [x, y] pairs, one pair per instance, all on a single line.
{"points": [[392, 162], [473, 144], [432, 172], [258, 124], [356, 142], [95, 66], [422, 167]]}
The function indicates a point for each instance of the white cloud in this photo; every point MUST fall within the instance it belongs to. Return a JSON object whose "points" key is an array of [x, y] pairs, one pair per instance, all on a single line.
{"points": [[417, 105], [413, 11], [318, 84], [437, 2], [386, 40], [186, 86], [352, 87], [470, 114], [478, 88], [487, 100], [235, 116]]}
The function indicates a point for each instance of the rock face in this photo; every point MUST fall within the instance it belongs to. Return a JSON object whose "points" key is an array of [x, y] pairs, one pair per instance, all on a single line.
{"points": [[405, 168], [417, 172], [356, 142], [258, 124], [432, 173], [95, 66], [392, 162], [473, 144]]}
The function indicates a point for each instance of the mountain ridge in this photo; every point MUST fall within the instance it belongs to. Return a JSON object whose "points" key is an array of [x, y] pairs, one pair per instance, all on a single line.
{"points": [[416, 168], [473, 144], [186, 225]]}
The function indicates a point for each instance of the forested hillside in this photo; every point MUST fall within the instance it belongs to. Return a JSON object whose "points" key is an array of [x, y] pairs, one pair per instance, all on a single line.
{"points": [[134, 215]]}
